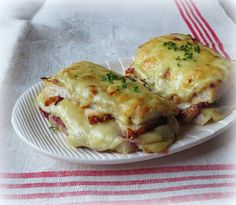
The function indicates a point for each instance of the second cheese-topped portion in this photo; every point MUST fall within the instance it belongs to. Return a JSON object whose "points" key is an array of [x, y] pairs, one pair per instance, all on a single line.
{"points": [[180, 68], [100, 90]]}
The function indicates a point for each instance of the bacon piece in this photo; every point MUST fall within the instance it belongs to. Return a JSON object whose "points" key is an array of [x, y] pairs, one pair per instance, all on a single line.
{"points": [[54, 99], [129, 71], [59, 99], [94, 119], [130, 134], [191, 112], [45, 114]]}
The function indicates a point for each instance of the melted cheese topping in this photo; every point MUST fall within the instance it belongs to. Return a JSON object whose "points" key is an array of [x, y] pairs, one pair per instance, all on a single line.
{"points": [[129, 102], [170, 72], [83, 86], [101, 136], [106, 135]]}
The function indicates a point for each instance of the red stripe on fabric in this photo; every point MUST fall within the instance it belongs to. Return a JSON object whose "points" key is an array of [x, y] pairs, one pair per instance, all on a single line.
{"points": [[201, 25], [187, 168], [193, 22], [164, 200], [210, 29], [115, 193], [113, 183], [186, 20]]}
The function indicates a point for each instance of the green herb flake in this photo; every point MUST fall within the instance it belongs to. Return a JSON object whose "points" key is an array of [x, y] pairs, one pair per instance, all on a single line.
{"points": [[170, 45], [177, 58], [187, 55], [136, 89], [187, 48], [197, 49], [179, 65], [109, 77], [54, 129], [118, 88], [123, 82]]}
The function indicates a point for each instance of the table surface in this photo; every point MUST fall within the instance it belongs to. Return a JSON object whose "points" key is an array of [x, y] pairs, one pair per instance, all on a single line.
{"points": [[230, 7]]}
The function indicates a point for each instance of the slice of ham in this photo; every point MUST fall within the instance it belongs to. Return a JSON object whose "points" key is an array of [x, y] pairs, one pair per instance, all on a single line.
{"points": [[58, 121], [55, 120]]}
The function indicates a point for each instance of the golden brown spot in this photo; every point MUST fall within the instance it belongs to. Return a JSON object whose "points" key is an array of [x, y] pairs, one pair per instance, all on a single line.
{"points": [[111, 90], [94, 119], [191, 112], [129, 71], [144, 110], [176, 99], [89, 77], [51, 100], [212, 85], [131, 134], [55, 81], [93, 90], [175, 38], [167, 74], [84, 106]]}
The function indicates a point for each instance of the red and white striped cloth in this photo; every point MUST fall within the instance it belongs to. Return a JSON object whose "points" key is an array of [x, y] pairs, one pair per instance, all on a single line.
{"points": [[205, 174], [161, 185]]}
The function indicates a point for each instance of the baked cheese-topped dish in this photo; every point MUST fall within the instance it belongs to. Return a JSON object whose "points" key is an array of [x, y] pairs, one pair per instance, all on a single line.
{"points": [[182, 70], [105, 111]]}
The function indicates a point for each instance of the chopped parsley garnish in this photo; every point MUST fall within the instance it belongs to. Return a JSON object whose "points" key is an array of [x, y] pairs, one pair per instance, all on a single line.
{"points": [[123, 82], [178, 58], [170, 45], [187, 48], [136, 89], [179, 65], [109, 77], [197, 49], [187, 55], [53, 128]]}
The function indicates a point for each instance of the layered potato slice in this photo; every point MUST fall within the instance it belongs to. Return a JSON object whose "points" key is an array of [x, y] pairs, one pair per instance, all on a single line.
{"points": [[182, 70], [102, 110]]}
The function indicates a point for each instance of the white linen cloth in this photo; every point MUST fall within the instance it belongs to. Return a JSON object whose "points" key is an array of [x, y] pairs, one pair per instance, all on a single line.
{"points": [[38, 43]]}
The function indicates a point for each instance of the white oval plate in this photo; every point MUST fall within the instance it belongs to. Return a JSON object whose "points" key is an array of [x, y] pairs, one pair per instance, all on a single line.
{"points": [[34, 130]]}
